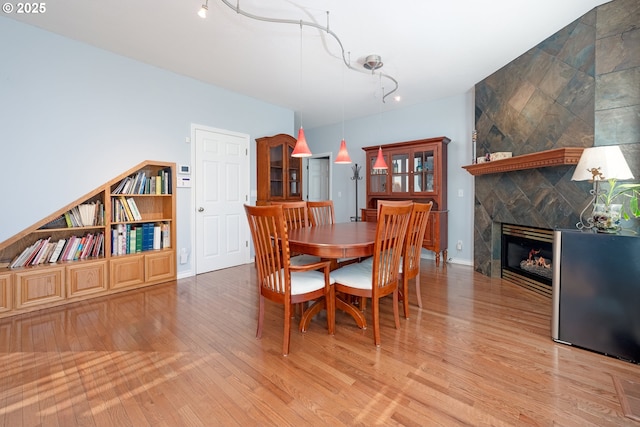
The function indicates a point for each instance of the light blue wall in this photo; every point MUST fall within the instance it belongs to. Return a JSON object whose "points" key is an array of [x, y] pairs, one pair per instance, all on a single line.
{"points": [[73, 117], [451, 117]]}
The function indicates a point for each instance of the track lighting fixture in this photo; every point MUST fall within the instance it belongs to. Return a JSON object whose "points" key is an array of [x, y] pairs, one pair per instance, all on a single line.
{"points": [[202, 13]]}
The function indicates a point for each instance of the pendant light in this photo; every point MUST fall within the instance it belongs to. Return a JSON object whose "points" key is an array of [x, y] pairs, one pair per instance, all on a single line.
{"points": [[380, 163], [343, 155], [301, 148]]}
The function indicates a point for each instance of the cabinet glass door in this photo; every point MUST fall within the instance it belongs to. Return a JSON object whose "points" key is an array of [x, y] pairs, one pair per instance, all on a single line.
{"points": [[423, 173], [294, 175], [400, 173], [276, 171], [377, 177]]}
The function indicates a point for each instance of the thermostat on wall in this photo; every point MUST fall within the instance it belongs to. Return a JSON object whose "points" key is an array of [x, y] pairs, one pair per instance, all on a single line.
{"points": [[184, 170]]}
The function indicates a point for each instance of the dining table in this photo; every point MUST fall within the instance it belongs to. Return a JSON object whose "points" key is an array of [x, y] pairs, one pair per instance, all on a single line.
{"points": [[332, 242]]}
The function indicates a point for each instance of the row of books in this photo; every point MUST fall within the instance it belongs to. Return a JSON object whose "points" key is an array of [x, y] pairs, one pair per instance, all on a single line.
{"points": [[125, 209], [128, 239], [83, 215], [74, 248], [141, 183]]}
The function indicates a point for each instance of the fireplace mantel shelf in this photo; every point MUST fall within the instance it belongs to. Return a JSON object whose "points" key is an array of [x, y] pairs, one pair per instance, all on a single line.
{"points": [[542, 159]]}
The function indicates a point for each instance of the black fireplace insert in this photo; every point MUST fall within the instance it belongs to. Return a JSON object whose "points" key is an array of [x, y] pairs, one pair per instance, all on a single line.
{"points": [[527, 256]]}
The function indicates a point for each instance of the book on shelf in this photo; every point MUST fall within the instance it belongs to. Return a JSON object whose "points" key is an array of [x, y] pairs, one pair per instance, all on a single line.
{"points": [[58, 222], [166, 237], [157, 236], [57, 251], [40, 252], [127, 209], [134, 209]]}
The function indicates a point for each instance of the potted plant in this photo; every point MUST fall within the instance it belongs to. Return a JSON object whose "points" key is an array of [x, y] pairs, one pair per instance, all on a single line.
{"points": [[619, 201]]}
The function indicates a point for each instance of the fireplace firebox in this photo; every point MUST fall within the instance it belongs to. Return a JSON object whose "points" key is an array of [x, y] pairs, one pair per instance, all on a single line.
{"points": [[527, 257]]}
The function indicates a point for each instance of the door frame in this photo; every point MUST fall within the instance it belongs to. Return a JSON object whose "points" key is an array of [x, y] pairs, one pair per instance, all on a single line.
{"points": [[192, 192]]}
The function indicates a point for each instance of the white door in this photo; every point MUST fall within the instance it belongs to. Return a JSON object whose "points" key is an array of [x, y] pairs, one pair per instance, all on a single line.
{"points": [[221, 187], [318, 178]]}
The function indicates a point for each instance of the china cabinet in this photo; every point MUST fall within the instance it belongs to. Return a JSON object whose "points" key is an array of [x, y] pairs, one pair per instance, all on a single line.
{"points": [[417, 170], [279, 176]]}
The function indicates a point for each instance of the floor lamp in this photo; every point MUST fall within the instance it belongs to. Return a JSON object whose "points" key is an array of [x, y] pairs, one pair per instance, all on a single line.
{"points": [[356, 177]]}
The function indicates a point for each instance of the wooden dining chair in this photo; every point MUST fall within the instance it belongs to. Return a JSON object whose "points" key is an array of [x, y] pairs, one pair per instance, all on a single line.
{"points": [[280, 281], [321, 212], [393, 203], [379, 278], [410, 263], [296, 215]]}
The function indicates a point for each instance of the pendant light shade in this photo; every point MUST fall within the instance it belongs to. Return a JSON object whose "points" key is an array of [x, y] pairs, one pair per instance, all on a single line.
{"points": [[343, 155], [380, 163], [301, 149]]}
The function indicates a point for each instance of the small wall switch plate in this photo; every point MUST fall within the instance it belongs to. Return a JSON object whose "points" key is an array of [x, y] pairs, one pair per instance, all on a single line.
{"points": [[184, 181]]}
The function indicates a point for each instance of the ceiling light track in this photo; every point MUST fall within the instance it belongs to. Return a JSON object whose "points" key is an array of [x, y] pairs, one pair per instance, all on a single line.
{"points": [[368, 66]]}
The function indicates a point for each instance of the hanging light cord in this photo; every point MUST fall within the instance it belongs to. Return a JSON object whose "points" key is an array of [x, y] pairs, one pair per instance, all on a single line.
{"points": [[237, 9]]}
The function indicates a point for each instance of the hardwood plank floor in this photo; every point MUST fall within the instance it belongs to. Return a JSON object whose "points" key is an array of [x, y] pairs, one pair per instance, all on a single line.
{"points": [[185, 354]]}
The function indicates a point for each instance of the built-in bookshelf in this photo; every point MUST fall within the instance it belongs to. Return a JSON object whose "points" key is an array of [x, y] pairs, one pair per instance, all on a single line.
{"points": [[119, 236]]}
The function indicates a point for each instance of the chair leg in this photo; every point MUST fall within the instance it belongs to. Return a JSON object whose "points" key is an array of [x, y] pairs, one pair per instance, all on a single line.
{"points": [[418, 290], [405, 296], [330, 303], [396, 314], [286, 339], [375, 314], [260, 316]]}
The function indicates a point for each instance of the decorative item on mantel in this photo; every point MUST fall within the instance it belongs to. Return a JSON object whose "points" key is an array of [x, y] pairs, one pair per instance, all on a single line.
{"points": [[606, 163], [490, 157]]}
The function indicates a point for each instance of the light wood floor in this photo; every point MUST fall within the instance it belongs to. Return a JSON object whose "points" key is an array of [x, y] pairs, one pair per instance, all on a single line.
{"points": [[185, 354]]}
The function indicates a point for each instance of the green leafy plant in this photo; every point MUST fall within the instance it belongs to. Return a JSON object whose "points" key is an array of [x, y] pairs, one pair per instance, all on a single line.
{"points": [[620, 193]]}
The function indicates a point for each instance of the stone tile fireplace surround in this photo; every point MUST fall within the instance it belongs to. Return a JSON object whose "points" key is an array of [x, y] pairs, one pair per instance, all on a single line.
{"points": [[578, 88]]}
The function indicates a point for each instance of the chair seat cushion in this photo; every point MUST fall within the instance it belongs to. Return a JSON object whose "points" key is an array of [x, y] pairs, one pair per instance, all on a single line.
{"points": [[304, 259], [369, 262], [358, 275], [307, 281]]}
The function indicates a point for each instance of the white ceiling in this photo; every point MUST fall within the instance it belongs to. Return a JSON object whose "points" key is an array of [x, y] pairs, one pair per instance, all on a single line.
{"points": [[434, 49]]}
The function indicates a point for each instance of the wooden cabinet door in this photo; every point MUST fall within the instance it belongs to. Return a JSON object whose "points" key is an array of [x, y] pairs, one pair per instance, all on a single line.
{"points": [[39, 287], [126, 271], [86, 278], [160, 266]]}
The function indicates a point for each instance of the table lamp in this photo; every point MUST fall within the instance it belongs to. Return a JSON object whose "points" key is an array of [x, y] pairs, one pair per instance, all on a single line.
{"points": [[597, 164]]}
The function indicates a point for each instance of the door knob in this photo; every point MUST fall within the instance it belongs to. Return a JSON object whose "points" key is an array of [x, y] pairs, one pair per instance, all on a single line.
{"points": [[201, 209]]}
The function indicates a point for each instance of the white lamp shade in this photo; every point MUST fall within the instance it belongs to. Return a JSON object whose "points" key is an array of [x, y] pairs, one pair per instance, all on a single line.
{"points": [[609, 161]]}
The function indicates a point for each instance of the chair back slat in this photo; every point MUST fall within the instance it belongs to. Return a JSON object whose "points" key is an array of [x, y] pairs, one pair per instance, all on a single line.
{"points": [[390, 235], [415, 236], [271, 245], [295, 214], [321, 212]]}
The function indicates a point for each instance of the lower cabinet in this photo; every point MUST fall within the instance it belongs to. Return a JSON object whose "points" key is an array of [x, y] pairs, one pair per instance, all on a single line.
{"points": [[160, 266], [148, 268], [127, 271], [28, 289], [39, 287], [87, 278]]}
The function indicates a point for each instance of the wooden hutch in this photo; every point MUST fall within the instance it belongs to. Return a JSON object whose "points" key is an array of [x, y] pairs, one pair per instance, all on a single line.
{"points": [[279, 176], [417, 171]]}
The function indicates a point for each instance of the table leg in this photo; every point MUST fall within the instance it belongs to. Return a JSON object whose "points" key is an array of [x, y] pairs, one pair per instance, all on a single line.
{"points": [[317, 306]]}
